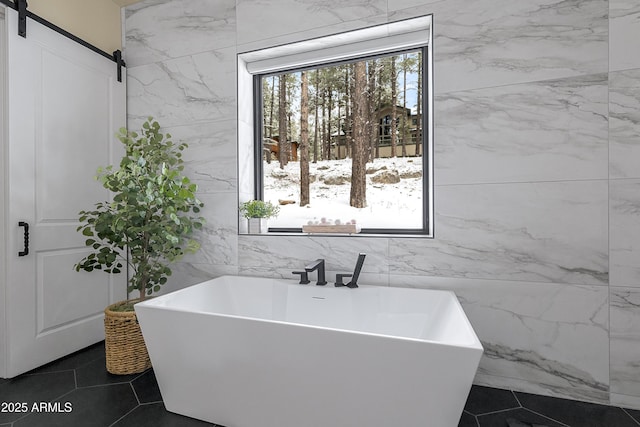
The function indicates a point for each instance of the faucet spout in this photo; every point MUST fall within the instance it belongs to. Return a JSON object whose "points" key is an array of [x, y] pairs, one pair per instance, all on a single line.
{"points": [[319, 266], [356, 272]]}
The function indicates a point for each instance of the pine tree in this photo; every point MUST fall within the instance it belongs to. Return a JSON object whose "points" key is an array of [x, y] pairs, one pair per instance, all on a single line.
{"points": [[405, 64], [316, 121], [372, 126], [304, 139], [283, 151], [394, 111], [358, 196], [271, 109], [419, 106]]}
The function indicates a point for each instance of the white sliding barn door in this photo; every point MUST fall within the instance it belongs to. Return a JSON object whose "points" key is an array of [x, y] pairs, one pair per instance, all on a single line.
{"points": [[63, 108]]}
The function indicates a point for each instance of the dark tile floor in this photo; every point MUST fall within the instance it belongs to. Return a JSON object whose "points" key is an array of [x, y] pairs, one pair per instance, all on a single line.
{"points": [[492, 407], [82, 394]]}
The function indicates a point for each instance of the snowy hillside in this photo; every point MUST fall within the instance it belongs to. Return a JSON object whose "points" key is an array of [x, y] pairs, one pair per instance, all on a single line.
{"points": [[394, 193]]}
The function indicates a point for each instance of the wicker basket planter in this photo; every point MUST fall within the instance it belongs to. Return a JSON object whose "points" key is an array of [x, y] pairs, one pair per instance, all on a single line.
{"points": [[126, 352]]}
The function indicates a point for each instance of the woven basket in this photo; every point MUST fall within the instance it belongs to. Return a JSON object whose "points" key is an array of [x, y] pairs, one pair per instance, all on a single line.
{"points": [[124, 345]]}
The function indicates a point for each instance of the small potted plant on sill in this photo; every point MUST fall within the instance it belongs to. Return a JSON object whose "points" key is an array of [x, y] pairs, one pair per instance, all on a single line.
{"points": [[257, 213], [147, 225]]}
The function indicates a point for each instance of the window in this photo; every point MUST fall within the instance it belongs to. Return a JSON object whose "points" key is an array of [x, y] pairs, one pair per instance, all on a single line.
{"points": [[341, 130]]}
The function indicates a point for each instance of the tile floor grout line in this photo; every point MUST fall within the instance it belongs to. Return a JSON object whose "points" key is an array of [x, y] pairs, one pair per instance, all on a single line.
{"points": [[530, 410], [631, 416], [547, 417], [499, 411], [35, 374], [100, 385], [473, 415], [134, 392], [21, 418], [124, 416], [526, 409], [68, 357], [515, 396], [140, 374]]}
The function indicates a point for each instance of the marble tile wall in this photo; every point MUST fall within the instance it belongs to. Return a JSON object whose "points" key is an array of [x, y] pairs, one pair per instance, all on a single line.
{"points": [[624, 203], [537, 140]]}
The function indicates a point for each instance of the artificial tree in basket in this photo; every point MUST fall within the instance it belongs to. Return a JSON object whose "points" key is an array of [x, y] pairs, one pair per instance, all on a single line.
{"points": [[147, 225]]}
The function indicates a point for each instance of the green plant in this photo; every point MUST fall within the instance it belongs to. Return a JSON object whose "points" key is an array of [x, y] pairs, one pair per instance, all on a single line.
{"points": [[149, 222], [259, 209]]}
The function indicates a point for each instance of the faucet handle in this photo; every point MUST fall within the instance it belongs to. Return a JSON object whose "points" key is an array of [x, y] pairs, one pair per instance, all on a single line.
{"points": [[339, 278], [356, 272], [304, 277]]}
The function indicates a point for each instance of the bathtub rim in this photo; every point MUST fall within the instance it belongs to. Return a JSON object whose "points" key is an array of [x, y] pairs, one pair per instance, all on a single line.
{"points": [[474, 343]]}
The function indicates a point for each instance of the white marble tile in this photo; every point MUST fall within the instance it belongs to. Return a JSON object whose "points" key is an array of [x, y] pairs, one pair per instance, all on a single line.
{"points": [[624, 401], [245, 131], [219, 237], [312, 33], [517, 239], [624, 34], [191, 89], [542, 131], [411, 9], [160, 30], [625, 341], [547, 232], [534, 387], [246, 165], [488, 43], [270, 19], [624, 229], [278, 256], [187, 274], [624, 123], [552, 335], [330, 275], [210, 159], [396, 7]]}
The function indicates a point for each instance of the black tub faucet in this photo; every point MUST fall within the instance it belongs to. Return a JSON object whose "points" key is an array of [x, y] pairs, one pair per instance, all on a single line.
{"points": [[317, 265], [304, 277], [354, 277]]}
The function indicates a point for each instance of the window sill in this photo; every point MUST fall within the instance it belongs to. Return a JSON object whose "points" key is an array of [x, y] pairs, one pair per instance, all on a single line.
{"points": [[357, 235]]}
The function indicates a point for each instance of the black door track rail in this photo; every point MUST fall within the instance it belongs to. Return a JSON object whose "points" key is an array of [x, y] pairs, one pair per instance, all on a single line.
{"points": [[23, 14]]}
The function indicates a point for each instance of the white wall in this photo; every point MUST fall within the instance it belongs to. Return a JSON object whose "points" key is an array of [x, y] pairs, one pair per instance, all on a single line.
{"points": [[537, 178]]}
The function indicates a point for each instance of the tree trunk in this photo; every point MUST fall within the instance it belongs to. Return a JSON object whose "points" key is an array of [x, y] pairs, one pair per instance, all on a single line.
{"points": [[372, 125], [327, 147], [304, 139], [348, 128], [316, 119], [289, 145], [273, 98], [394, 112], [323, 151], [338, 139], [358, 197], [404, 106], [379, 104], [282, 122], [419, 107]]}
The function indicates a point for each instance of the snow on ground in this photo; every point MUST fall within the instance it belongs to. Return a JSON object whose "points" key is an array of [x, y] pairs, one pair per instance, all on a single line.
{"points": [[389, 205]]}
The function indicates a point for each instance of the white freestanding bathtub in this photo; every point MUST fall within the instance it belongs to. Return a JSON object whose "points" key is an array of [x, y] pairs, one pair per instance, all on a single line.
{"points": [[257, 352]]}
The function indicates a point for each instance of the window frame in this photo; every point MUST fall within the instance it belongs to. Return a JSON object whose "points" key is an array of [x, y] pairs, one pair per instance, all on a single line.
{"points": [[257, 183]]}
